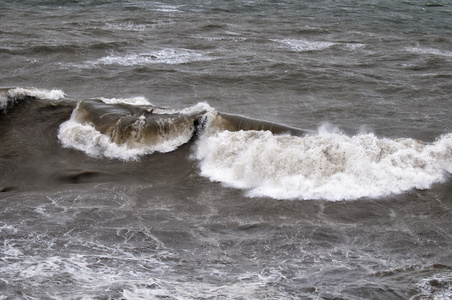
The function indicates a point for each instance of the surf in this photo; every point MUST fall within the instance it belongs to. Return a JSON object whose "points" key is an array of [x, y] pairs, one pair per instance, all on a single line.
{"points": [[329, 166]]}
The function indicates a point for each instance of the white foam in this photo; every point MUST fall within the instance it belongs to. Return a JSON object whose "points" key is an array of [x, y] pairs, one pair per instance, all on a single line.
{"points": [[437, 287], [153, 289], [428, 50], [13, 95], [126, 26], [37, 93], [305, 45], [156, 289], [197, 108], [86, 138], [166, 7], [354, 47], [329, 165], [130, 101], [165, 56]]}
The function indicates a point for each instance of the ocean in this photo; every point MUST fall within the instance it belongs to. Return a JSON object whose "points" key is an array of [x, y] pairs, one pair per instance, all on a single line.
{"points": [[225, 149]]}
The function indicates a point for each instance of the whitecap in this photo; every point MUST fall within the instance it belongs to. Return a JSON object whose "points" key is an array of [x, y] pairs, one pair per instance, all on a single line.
{"points": [[139, 100], [165, 56], [12, 95], [126, 26], [329, 165], [303, 45], [430, 51]]}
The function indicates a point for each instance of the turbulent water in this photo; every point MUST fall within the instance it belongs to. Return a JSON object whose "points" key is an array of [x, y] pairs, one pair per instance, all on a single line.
{"points": [[225, 149]]}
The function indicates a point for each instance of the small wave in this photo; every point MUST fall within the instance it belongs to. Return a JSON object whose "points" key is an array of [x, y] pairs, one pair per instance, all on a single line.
{"points": [[353, 47], [166, 8], [329, 166], [430, 51], [10, 96], [127, 26], [130, 101], [438, 286], [165, 56], [302, 45]]}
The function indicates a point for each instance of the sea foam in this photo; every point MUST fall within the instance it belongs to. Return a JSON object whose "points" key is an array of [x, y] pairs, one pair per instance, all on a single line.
{"points": [[302, 45], [164, 56], [10, 96], [327, 165], [429, 51], [131, 101]]}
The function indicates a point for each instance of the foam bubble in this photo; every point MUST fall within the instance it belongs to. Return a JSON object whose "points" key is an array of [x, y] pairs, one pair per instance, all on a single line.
{"points": [[36, 93], [328, 165]]}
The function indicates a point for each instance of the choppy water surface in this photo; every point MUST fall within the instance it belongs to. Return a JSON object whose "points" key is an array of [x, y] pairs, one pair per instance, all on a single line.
{"points": [[225, 150]]}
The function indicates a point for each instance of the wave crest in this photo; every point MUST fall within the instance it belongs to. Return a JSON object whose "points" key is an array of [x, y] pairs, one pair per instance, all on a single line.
{"points": [[126, 131], [10, 96]]}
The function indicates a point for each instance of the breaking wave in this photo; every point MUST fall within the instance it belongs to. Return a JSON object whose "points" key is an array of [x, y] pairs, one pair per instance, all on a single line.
{"points": [[10, 96], [330, 166], [263, 158], [125, 131]]}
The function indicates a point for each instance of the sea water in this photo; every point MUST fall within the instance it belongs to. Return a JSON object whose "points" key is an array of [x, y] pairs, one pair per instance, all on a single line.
{"points": [[225, 150]]}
